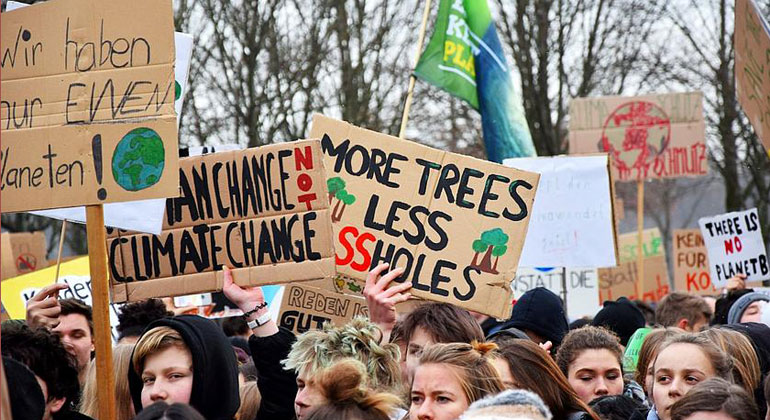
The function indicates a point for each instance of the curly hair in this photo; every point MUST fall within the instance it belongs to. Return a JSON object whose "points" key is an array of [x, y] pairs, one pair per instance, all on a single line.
{"points": [[359, 339], [43, 353], [135, 317], [472, 364], [587, 338], [348, 397]]}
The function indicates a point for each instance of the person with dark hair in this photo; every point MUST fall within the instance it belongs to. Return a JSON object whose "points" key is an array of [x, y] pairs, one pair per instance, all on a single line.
{"points": [[715, 398], [540, 314], [163, 411], [236, 326], [647, 311], [523, 364], [135, 317], [766, 393], [579, 323], [54, 367], [24, 393], [621, 317], [682, 310], [591, 359], [619, 407]]}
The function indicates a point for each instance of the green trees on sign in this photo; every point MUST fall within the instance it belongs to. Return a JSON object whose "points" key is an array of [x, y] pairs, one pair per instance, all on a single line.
{"points": [[493, 243], [337, 190]]}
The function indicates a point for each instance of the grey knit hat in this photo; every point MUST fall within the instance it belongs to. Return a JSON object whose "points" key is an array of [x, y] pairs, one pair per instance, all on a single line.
{"points": [[740, 305], [508, 405]]}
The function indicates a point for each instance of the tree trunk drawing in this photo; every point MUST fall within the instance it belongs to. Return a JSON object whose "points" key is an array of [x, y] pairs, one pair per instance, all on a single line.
{"points": [[494, 267], [331, 198], [336, 217], [486, 262], [475, 262]]}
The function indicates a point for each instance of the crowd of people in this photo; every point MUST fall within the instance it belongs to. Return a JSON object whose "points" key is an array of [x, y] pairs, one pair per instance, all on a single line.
{"points": [[689, 357]]}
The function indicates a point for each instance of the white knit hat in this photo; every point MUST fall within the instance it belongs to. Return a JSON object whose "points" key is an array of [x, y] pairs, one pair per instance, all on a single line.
{"points": [[513, 404]]}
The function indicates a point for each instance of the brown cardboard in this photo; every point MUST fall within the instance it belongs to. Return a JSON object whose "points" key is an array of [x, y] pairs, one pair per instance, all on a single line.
{"points": [[752, 82], [29, 250], [691, 263], [652, 245], [87, 113], [263, 212], [305, 308], [651, 136], [438, 258], [620, 210], [8, 269], [615, 282]]}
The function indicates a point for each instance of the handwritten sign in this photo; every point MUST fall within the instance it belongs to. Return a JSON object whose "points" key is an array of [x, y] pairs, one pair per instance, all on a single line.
{"points": [[87, 105], [652, 245], [691, 266], [615, 282], [454, 223], [752, 75], [734, 244], [29, 251], [582, 287], [652, 136], [572, 222], [262, 212], [305, 308]]}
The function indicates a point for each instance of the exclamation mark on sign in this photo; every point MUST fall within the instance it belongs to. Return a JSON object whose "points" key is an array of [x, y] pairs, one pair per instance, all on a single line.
{"points": [[96, 146]]}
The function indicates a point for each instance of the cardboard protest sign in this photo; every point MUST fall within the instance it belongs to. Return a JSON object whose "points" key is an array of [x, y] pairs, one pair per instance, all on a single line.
{"points": [[651, 136], [582, 287], [18, 290], [305, 308], [261, 211], [87, 104], [652, 245], [8, 269], [691, 266], [454, 223], [752, 75], [572, 223], [615, 282], [29, 250], [734, 244]]}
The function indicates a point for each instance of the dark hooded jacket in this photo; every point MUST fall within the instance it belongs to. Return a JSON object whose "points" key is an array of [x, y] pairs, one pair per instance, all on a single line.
{"points": [[277, 386], [215, 370]]}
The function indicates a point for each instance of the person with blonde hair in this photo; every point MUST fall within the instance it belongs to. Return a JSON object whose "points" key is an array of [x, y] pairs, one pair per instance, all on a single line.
{"points": [[359, 339], [250, 401], [715, 398], [647, 353], [347, 396], [124, 409], [450, 377]]}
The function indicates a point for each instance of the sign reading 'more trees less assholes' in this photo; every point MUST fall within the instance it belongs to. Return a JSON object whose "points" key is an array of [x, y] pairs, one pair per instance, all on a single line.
{"points": [[454, 223], [734, 244], [87, 104], [263, 212]]}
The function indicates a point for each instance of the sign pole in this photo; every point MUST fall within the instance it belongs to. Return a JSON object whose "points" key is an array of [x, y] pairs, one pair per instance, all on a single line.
{"points": [[97, 260], [61, 247], [639, 240], [564, 288], [412, 79]]}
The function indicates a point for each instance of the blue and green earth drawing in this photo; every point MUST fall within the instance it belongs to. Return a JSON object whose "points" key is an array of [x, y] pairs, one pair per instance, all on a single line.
{"points": [[138, 159]]}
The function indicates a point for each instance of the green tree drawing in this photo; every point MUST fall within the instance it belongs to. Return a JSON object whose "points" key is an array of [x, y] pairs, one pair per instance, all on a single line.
{"points": [[334, 185], [344, 198], [492, 243]]}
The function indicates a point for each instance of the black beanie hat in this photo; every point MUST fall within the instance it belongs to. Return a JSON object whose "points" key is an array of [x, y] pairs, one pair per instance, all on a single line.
{"points": [[621, 317], [27, 402], [540, 311]]}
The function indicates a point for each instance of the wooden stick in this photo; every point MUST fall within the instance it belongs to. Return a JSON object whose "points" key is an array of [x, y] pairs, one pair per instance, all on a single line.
{"points": [[61, 247], [412, 79], [639, 240], [97, 261]]}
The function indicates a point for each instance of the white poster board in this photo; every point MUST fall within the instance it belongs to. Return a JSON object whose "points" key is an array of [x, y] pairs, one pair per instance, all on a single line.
{"points": [[582, 287], [734, 245], [572, 223]]}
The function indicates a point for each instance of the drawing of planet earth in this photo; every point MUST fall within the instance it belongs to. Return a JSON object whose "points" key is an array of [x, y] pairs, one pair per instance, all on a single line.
{"points": [[138, 159]]}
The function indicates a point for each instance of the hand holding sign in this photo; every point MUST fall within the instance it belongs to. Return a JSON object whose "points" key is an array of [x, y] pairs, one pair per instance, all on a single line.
{"points": [[382, 300], [43, 309], [246, 300]]}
